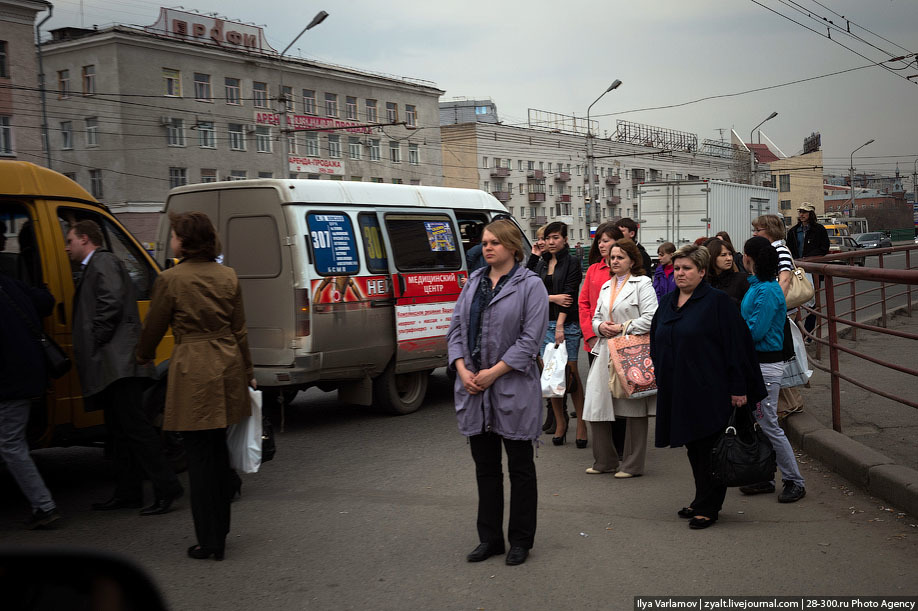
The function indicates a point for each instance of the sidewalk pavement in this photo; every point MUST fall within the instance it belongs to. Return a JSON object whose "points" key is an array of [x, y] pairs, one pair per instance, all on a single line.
{"points": [[877, 447]]}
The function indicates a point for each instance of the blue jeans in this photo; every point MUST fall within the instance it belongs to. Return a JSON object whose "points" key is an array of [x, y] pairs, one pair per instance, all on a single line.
{"points": [[14, 450], [766, 413], [572, 337]]}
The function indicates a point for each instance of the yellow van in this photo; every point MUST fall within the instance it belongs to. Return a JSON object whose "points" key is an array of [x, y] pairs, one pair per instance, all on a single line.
{"points": [[37, 207], [837, 230]]}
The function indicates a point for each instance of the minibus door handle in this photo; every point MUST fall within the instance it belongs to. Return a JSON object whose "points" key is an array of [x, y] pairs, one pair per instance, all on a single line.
{"points": [[401, 285]]}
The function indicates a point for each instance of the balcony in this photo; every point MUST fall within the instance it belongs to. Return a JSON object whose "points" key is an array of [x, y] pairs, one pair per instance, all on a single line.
{"points": [[565, 199], [535, 174], [537, 221], [611, 180], [500, 172], [536, 197], [503, 196], [614, 200], [562, 176]]}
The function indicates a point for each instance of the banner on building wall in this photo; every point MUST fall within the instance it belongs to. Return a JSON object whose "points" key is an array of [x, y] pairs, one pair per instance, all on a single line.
{"points": [[314, 165], [210, 30], [310, 122]]}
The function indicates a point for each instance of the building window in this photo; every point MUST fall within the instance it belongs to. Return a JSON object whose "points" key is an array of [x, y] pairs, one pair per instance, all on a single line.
{"points": [[172, 83], [784, 183], [70, 175], [89, 80], [486, 186], [92, 131], [413, 154], [4, 61], [177, 177], [175, 132], [376, 179], [259, 95], [334, 147], [372, 116], [350, 107], [484, 163], [236, 137], [287, 92], [391, 112], [291, 143], [66, 135], [237, 175], [263, 139], [397, 181], [374, 150], [63, 83], [353, 148], [395, 152], [309, 101], [95, 184], [266, 174], [356, 178], [312, 144], [519, 163], [785, 204], [208, 175], [331, 104], [202, 90], [522, 187], [530, 165], [411, 115], [6, 136], [233, 91], [207, 135]]}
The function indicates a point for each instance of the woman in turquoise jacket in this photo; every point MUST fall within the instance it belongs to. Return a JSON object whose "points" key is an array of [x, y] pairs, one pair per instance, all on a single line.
{"points": [[764, 311]]}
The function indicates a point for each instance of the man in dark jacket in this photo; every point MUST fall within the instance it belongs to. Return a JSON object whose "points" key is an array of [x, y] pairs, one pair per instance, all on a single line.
{"points": [[106, 327], [629, 229], [808, 239], [23, 377]]}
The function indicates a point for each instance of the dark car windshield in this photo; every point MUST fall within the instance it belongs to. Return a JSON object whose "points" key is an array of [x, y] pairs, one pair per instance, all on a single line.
{"points": [[867, 237]]}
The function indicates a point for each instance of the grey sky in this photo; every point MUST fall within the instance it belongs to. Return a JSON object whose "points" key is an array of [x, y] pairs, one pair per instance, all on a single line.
{"points": [[559, 56]]}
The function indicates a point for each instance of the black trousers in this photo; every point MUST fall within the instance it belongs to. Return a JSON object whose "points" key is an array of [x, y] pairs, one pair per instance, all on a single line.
{"points": [[619, 426], [709, 497], [211, 488], [136, 446], [523, 490]]}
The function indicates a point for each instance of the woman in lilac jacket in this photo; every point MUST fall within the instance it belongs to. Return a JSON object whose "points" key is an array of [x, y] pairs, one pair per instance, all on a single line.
{"points": [[493, 340]]}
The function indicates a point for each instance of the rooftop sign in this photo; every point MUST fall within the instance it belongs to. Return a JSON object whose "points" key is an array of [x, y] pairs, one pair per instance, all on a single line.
{"points": [[210, 30]]}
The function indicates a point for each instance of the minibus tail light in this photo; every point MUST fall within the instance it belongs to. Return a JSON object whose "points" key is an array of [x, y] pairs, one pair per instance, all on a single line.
{"points": [[301, 306]]}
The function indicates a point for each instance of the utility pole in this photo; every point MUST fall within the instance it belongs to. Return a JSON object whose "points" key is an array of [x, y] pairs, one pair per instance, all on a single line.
{"points": [[591, 168], [851, 178], [751, 153]]}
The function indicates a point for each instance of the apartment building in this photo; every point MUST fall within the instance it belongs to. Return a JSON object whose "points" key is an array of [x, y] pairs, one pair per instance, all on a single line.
{"points": [[192, 98], [20, 116]]}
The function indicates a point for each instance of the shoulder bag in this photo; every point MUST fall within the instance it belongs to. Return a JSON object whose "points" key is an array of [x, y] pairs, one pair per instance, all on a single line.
{"points": [[801, 289], [743, 455], [631, 374], [56, 360]]}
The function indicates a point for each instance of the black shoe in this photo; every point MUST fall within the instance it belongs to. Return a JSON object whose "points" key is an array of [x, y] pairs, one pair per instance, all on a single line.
{"points": [[700, 523], [41, 518], [117, 503], [517, 555], [686, 512], [200, 553], [549, 424], [581, 443], [485, 551], [760, 488], [792, 493], [559, 441], [162, 505]]}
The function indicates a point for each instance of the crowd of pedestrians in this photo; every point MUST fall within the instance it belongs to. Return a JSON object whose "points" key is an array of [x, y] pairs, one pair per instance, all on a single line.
{"points": [[719, 340]]}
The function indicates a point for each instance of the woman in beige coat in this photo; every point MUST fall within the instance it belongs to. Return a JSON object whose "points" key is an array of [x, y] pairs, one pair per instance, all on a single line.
{"points": [[208, 372], [633, 301]]}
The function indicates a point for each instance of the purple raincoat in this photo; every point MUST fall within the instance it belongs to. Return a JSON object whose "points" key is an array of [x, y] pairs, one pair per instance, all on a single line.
{"points": [[512, 327]]}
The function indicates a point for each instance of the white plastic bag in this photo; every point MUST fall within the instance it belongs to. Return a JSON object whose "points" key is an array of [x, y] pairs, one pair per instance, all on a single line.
{"points": [[244, 439], [553, 375], [796, 370]]}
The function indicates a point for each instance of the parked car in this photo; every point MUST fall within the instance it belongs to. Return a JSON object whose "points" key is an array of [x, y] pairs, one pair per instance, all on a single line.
{"points": [[844, 243], [873, 239]]}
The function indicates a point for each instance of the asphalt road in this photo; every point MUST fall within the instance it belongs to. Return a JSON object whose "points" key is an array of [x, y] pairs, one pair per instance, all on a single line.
{"points": [[366, 511]]}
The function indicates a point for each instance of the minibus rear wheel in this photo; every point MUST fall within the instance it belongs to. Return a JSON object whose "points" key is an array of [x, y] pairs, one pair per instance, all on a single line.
{"points": [[400, 393]]}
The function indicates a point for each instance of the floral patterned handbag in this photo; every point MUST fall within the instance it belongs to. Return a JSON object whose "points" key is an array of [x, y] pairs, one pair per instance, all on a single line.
{"points": [[631, 373]]}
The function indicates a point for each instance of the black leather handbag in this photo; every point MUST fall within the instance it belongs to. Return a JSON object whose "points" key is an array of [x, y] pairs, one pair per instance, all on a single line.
{"points": [[743, 455], [56, 360]]}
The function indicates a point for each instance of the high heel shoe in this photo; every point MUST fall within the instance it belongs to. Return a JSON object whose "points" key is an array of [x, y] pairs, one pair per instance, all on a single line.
{"points": [[581, 443], [200, 553], [559, 441]]}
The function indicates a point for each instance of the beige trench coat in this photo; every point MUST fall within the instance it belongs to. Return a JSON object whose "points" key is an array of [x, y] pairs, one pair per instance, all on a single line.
{"points": [[636, 302], [211, 365]]}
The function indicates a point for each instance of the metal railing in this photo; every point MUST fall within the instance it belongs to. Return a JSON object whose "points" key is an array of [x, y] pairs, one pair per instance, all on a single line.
{"points": [[835, 309]]}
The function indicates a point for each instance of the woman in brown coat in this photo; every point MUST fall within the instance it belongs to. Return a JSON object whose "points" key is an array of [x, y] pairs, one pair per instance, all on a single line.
{"points": [[208, 372]]}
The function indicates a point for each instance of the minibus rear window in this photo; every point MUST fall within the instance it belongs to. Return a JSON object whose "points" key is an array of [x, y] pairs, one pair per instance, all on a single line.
{"points": [[423, 242], [331, 241], [377, 262]]}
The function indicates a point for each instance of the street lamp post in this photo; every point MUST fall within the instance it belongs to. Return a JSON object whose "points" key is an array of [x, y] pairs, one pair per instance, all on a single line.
{"points": [[591, 192], [851, 175], [751, 153], [284, 128]]}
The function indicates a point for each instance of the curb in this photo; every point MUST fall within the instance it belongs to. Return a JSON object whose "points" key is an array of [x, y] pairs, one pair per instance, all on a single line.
{"points": [[896, 484]]}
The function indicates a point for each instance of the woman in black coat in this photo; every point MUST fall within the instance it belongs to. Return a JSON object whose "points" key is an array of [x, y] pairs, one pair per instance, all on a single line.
{"points": [[705, 366], [722, 271]]}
